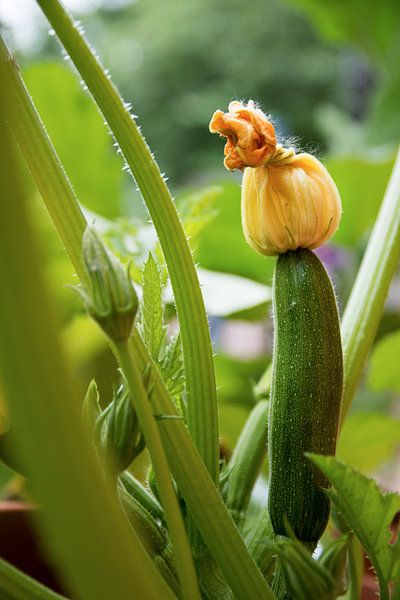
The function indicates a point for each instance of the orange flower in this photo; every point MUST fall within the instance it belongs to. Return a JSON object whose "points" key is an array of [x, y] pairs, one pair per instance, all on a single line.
{"points": [[289, 201], [251, 137]]}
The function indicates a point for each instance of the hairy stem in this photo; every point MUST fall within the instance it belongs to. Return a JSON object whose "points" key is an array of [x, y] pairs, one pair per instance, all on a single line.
{"points": [[202, 413]]}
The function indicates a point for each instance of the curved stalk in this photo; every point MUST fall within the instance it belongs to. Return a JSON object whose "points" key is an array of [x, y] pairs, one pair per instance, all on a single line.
{"points": [[202, 412], [367, 299]]}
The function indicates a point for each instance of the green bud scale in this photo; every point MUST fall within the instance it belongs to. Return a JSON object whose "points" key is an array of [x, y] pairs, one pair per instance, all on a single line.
{"points": [[110, 297]]}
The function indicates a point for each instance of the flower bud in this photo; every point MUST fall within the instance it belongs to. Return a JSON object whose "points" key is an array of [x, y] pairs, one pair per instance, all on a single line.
{"points": [[289, 200], [110, 297], [117, 432], [91, 404]]}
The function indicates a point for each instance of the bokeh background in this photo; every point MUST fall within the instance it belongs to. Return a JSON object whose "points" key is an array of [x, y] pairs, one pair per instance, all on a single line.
{"points": [[327, 72]]}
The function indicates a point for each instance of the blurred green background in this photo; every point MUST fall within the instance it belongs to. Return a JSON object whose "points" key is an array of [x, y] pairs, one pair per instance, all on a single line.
{"points": [[328, 74]]}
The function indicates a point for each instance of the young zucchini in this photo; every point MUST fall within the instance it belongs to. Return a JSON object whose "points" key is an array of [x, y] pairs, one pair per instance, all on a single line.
{"points": [[306, 393]]}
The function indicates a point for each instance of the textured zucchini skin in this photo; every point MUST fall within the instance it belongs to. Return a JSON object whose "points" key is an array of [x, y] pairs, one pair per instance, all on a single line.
{"points": [[306, 393]]}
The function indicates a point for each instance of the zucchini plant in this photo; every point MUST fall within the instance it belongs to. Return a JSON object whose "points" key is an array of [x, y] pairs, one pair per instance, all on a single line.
{"points": [[191, 530]]}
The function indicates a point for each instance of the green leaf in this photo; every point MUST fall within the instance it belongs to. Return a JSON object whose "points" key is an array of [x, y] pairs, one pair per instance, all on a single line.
{"points": [[151, 324], [368, 439], [368, 511], [356, 22], [384, 373], [173, 372], [197, 210], [79, 136], [305, 578]]}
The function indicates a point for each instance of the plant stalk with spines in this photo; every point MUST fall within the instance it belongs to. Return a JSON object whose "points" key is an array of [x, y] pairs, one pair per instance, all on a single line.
{"points": [[202, 412], [200, 494]]}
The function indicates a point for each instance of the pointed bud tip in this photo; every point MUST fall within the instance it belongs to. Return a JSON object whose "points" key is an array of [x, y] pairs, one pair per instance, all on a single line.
{"points": [[110, 297]]}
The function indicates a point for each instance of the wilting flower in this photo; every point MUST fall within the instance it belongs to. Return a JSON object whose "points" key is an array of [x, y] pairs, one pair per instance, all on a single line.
{"points": [[289, 200]]}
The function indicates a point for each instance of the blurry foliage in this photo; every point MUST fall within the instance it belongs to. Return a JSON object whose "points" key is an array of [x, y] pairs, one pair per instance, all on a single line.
{"points": [[235, 380], [79, 136], [361, 183], [373, 27], [178, 61], [384, 372], [368, 439]]}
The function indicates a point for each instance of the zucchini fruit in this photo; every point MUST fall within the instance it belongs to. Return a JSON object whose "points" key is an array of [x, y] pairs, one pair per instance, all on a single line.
{"points": [[306, 394]]}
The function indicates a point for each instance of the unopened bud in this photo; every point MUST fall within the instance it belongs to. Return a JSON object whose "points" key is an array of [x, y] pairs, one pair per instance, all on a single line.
{"points": [[117, 432], [91, 404], [289, 200], [110, 297]]}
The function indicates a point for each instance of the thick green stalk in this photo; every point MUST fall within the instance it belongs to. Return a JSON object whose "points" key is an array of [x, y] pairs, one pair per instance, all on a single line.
{"points": [[184, 561], [202, 413], [100, 557], [153, 537], [16, 585], [202, 497], [246, 460], [52, 182], [199, 492], [365, 305], [135, 489], [258, 538]]}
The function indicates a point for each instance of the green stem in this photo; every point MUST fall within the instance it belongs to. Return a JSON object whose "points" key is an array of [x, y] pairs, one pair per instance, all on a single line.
{"points": [[184, 562], [356, 567], [202, 412], [100, 557], [366, 303], [135, 489], [153, 537], [16, 585], [245, 463], [35, 144], [201, 495], [257, 541], [199, 492]]}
